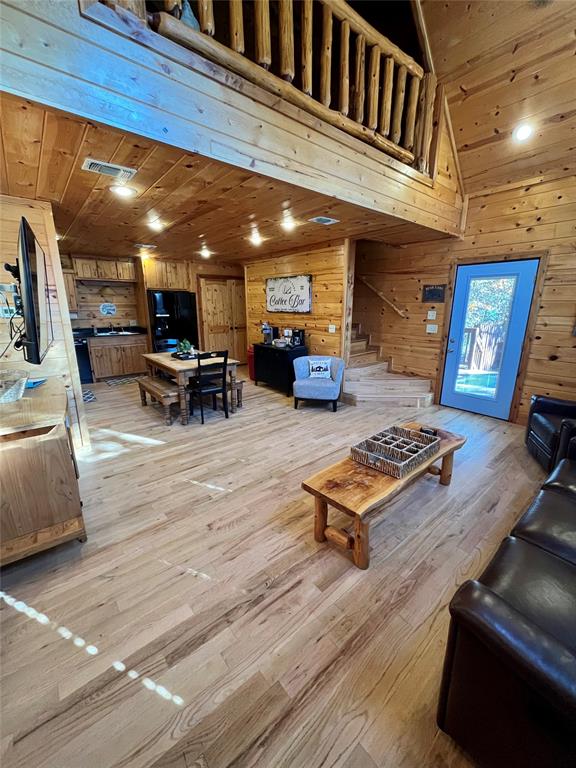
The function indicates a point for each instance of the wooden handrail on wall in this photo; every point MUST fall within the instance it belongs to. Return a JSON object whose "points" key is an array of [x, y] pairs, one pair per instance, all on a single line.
{"points": [[377, 92], [380, 295]]}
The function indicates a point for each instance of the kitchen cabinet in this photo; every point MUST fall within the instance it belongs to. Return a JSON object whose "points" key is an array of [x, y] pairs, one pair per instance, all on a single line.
{"points": [[86, 268], [117, 355], [105, 269], [125, 268], [70, 287]]}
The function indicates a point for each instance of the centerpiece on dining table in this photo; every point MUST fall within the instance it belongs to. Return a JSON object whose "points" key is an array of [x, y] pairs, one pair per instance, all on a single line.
{"points": [[185, 351]]}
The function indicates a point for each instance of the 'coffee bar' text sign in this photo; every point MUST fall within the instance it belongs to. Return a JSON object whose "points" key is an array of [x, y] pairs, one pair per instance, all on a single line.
{"points": [[289, 294]]}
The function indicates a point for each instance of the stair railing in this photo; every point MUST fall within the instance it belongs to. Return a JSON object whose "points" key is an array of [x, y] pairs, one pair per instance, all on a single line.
{"points": [[380, 295]]}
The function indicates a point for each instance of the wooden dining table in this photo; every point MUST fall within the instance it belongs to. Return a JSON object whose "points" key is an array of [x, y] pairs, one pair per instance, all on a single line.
{"points": [[182, 371]]}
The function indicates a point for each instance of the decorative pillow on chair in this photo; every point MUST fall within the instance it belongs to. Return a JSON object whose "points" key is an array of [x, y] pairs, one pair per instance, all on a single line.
{"points": [[319, 369]]}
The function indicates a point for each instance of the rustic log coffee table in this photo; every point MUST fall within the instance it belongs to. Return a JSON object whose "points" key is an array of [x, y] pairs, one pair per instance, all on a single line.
{"points": [[362, 493]]}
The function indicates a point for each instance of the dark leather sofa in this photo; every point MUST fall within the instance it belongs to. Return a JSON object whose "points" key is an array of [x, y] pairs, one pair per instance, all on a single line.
{"points": [[551, 426], [508, 694]]}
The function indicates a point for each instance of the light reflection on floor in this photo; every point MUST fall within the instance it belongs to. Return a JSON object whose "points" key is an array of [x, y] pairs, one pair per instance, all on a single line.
{"points": [[91, 650], [109, 443]]}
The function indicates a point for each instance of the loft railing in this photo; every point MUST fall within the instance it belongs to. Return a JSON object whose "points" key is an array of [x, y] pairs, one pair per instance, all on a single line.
{"points": [[352, 77]]}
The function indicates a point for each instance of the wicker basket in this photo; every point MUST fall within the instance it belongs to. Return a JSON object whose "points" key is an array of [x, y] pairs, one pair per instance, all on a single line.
{"points": [[395, 451]]}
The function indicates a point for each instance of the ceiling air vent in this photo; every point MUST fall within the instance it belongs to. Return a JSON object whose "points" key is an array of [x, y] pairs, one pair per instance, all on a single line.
{"points": [[326, 220], [118, 172]]}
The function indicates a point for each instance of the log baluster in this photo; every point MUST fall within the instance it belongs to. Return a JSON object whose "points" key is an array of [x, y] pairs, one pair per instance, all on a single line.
{"points": [[206, 16], [428, 116], [307, 46], [373, 87], [286, 25], [359, 85], [398, 104], [262, 30], [411, 112], [344, 67], [326, 57], [236, 26], [386, 107]]}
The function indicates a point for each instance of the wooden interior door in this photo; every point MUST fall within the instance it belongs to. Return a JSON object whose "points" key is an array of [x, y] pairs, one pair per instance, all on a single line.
{"points": [[239, 330], [216, 315], [223, 312]]}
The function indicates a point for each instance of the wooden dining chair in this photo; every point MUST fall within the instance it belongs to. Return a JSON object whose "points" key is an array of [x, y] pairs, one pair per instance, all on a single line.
{"points": [[210, 380]]}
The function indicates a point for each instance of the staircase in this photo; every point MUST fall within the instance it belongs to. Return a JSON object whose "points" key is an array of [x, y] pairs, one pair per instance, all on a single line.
{"points": [[367, 378]]}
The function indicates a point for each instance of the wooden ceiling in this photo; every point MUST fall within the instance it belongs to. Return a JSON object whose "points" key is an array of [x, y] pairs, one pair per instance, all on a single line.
{"points": [[197, 200], [504, 63]]}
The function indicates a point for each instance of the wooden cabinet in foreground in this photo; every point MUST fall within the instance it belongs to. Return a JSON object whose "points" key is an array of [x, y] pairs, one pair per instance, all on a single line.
{"points": [[117, 355], [40, 499]]}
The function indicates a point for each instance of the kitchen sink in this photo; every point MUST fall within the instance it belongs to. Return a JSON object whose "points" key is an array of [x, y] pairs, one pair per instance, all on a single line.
{"points": [[117, 333]]}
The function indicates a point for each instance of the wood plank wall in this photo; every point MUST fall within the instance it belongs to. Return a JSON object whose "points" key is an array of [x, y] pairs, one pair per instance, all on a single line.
{"points": [[60, 361], [90, 295], [328, 266], [522, 220]]}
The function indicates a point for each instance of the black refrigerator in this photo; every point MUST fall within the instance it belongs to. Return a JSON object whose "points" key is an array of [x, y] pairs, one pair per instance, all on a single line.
{"points": [[172, 319]]}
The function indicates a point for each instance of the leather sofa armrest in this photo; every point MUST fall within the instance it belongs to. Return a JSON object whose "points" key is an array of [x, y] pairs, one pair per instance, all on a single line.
{"points": [[552, 405], [571, 451], [538, 658], [567, 433]]}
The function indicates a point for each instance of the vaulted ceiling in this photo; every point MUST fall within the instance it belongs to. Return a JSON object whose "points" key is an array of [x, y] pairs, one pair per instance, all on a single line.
{"points": [[505, 62], [198, 200]]}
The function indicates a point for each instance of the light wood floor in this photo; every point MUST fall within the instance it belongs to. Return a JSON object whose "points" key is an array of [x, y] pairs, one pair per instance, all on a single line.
{"points": [[201, 573]]}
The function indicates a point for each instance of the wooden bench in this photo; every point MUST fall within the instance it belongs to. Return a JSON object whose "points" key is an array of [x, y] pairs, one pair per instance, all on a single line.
{"points": [[161, 391]]}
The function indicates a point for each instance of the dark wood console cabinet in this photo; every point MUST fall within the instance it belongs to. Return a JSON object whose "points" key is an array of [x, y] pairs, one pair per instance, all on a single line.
{"points": [[273, 365]]}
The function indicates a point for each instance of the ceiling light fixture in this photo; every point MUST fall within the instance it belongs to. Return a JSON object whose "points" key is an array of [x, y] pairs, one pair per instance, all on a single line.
{"points": [[522, 132], [156, 225], [205, 252], [288, 224], [255, 237], [59, 237], [122, 190]]}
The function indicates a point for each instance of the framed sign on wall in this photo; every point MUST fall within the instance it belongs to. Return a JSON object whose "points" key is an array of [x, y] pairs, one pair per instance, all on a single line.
{"points": [[289, 294]]}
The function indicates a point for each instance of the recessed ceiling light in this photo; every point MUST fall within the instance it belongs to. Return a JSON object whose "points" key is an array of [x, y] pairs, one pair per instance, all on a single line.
{"points": [[205, 252], [59, 237], [255, 238], [156, 225], [122, 190], [326, 220], [522, 132], [288, 224]]}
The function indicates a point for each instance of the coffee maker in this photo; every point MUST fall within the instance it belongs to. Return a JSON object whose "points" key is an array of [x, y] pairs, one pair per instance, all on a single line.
{"points": [[269, 333], [297, 337]]}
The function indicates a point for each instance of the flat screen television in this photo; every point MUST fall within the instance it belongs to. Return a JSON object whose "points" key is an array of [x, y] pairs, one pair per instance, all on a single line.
{"points": [[35, 296]]}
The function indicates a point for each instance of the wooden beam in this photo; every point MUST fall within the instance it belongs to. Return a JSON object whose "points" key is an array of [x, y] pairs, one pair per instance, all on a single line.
{"points": [[206, 16], [286, 25], [262, 33], [374, 88], [408, 142], [359, 84], [307, 14], [236, 26], [380, 295], [437, 129], [398, 104], [326, 57], [344, 67], [386, 108]]}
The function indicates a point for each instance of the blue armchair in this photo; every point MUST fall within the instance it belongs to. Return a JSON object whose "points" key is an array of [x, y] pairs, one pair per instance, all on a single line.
{"points": [[308, 387]]}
